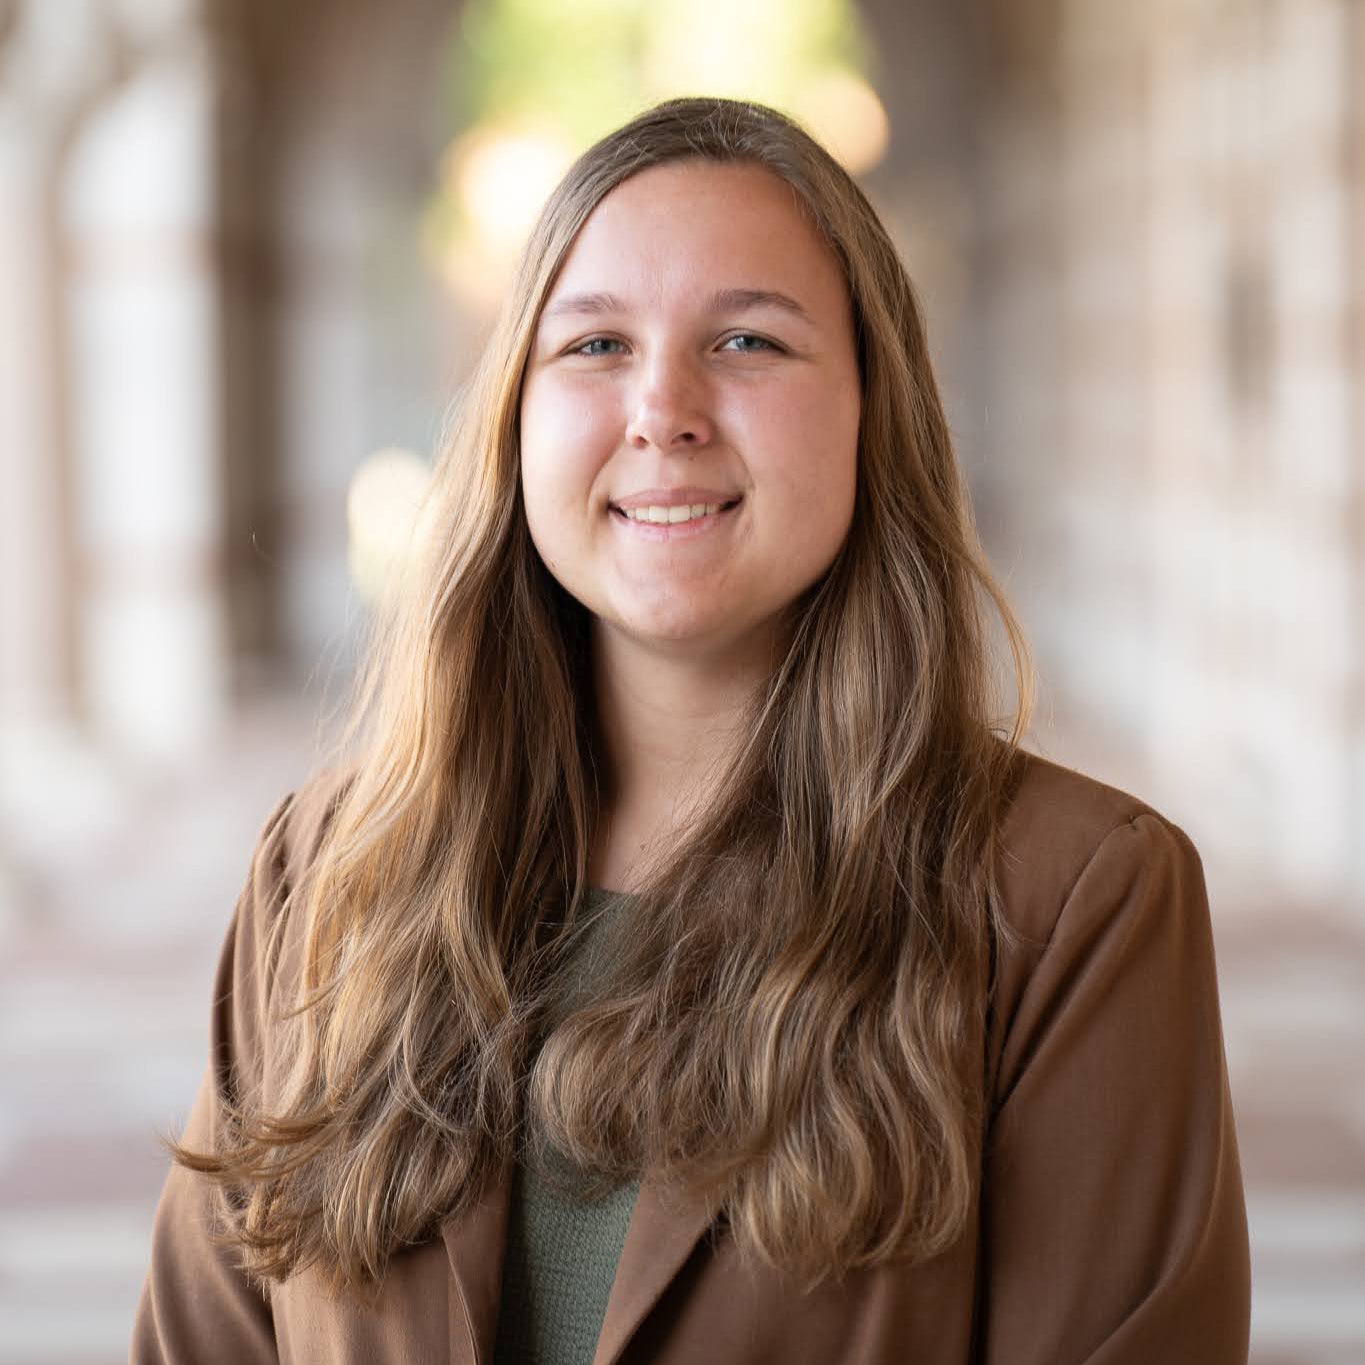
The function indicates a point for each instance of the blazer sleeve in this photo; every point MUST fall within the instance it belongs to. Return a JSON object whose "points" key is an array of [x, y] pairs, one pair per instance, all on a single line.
{"points": [[1114, 1222], [196, 1305]]}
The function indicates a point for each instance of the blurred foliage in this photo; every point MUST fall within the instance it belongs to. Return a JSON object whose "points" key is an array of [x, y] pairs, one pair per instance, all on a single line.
{"points": [[561, 73], [589, 65]]}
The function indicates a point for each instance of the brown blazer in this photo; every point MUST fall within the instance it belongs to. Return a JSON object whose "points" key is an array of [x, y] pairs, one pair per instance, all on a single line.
{"points": [[1110, 1225]]}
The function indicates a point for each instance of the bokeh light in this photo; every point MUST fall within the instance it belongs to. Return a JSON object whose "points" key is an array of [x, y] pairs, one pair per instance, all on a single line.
{"points": [[536, 82], [383, 504]]}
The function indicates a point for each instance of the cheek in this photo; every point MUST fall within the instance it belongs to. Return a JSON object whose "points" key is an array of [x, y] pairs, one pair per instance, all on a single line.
{"points": [[564, 442], [539, 469], [811, 453], [553, 445], [566, 426]]}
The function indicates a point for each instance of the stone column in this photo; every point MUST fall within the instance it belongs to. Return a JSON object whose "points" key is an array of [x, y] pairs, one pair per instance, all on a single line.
{"points": [[1353, 57], [1307, 608], [1207, 387], [109, 457], [139, 225], [49, 66]]}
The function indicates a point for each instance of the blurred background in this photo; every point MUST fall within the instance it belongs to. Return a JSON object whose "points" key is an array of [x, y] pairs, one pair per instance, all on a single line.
{"points": [[248, 253]]}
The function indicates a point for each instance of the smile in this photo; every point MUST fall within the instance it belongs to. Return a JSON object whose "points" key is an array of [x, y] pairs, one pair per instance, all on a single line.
{"points": [[655, 522]]}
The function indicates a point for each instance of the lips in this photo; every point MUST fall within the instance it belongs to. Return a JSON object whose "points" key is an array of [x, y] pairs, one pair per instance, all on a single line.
{"points": [[675, 497], [682, 520]]}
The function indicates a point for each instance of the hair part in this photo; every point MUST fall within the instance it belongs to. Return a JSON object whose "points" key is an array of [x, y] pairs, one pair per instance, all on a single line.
{"points": [[790, 1027]]}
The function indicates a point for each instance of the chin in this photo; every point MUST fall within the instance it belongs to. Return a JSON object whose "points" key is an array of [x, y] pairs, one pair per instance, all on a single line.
{"points": [[675, 632], [672, 629]]}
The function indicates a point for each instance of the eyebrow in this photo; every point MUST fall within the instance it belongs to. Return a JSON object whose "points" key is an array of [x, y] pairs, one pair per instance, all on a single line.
{"points": [[722, 301]]}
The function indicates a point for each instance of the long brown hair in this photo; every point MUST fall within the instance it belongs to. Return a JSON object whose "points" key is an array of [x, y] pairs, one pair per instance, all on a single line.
{"points": [[786, 1028]]}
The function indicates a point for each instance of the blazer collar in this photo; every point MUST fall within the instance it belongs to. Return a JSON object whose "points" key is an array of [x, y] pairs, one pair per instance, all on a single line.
{"points": [[665, 1225], [474, 1247]]}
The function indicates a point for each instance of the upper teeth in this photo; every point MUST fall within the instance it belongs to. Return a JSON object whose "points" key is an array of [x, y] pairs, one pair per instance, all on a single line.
{"points": [[671, 514]]}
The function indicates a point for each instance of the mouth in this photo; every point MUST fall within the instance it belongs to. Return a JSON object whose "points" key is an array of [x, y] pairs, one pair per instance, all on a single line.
{"points": [[662, 516]]}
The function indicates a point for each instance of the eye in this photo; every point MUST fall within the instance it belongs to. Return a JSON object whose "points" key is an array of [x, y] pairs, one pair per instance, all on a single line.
{"points": [[583, 347], [763, 343]]}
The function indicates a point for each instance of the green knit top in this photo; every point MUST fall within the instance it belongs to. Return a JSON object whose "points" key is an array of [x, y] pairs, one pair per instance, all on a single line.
{"points": [[561, 1252]]}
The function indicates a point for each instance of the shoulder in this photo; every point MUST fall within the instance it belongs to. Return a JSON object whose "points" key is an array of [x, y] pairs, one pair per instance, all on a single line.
{"points": [[1059, 829], [293, 832], [304, 817], [1106, 901], [264, 938], [286, 847]]}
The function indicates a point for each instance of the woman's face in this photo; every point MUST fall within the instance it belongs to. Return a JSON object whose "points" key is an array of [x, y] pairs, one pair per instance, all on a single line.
{"points": [[694, 359]]}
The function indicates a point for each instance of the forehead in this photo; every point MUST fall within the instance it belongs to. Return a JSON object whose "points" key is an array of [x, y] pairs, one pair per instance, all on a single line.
{"points": [[699, 224]]}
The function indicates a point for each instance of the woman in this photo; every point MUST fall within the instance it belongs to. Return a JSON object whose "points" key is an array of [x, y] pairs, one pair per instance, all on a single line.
{"points": [[683, 967]]}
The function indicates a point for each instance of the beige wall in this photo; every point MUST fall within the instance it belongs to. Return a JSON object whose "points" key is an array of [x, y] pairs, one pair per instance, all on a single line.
{"points": [[1176, 464]]}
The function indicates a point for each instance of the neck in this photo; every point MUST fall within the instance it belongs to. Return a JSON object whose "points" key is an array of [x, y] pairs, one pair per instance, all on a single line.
{"points": [[667, 724]]}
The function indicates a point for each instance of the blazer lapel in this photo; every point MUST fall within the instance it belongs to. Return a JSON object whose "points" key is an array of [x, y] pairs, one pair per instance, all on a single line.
{"points": [[474, 1245], [664, 1228]]}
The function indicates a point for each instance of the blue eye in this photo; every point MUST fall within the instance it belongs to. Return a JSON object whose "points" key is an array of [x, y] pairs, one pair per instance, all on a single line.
{"points": [[595, 341], [763, 342]]}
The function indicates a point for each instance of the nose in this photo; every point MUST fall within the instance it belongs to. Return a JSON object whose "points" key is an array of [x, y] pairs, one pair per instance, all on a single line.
{"points": [[669, 410]]}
